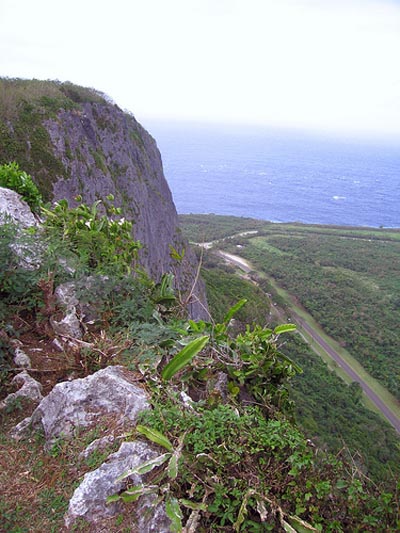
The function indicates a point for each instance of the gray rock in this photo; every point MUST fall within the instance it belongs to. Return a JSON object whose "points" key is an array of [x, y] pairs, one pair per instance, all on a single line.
{"points": [[22, 429], [89, 499], [68, 296], [21, 359], [65, 295], [82, 403], [96, 445], [30, 389], [14, 208], [69, 326], [96, 149], [151, 518]]}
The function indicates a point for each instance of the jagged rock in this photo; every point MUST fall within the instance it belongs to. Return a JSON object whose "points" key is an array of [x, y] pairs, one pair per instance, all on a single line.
{"points": [[82, 403], [30, 389], [14, 208], [69, 326], [65, 295], [89, 499]]}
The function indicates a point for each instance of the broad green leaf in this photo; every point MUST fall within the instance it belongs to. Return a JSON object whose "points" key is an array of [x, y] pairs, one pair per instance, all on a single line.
{"points": [[284, 328], [155, 436], [300, 526], [145, 467], [174, 513], [134, 493], [287, 527], [173, 467], [183, 357], [153, 463], [113, 498], [195, 506], [233, 310]]}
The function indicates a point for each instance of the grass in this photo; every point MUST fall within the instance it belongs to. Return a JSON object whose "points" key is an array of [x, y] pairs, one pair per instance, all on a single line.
{"points": [[36, 485]]}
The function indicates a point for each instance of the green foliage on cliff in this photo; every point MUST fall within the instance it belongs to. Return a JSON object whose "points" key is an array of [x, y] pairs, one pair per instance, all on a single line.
{"points": [[100, 238], [11, 177]]}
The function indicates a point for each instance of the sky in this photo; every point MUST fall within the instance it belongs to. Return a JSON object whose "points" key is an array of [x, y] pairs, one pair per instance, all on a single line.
{"points": [[326, 65]]}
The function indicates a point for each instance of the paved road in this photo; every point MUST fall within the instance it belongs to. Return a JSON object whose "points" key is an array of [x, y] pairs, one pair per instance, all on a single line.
{"points": [[388, 413], [236, 260]]}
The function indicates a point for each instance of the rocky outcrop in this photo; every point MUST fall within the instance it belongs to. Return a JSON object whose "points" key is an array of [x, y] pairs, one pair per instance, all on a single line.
{"points": [[81, 144], [109, 401], [83, 403], [15, 211], [13, 208], [30, 389], [89, 501]]}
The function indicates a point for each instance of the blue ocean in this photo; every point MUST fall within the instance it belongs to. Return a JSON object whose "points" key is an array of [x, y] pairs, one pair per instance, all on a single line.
{"points": [[279, 175]]}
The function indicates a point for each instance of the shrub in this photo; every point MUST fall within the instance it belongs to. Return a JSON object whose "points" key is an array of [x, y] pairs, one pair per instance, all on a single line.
{"points": [[104, 244], [11, 177]]}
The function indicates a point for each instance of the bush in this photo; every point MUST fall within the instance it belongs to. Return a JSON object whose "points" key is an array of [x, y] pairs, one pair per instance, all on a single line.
{"points": [[11, 177], [103, 244]]}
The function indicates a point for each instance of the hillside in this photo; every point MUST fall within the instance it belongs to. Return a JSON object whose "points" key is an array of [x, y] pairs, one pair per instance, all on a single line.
{"points": [[74, 141], [331, 413]]}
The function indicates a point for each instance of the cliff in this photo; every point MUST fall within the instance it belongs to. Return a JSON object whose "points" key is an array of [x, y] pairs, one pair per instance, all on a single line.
{"points": [[82, 359], [74, 141]]}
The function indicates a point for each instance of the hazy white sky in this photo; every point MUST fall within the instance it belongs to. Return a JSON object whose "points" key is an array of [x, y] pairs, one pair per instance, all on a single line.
{"points": [[329, 64]]}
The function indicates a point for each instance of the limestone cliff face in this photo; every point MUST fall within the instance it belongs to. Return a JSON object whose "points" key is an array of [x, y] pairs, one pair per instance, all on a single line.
{"points": [[75, 142]]}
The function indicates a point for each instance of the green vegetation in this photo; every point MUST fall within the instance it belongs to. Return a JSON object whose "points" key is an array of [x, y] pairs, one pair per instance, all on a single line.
{"points": [[200, 228], [238, 465], [231, 455], [101, 243], [11, 177], [224, 288], [347, 280], [331, 413], [206, 228], [24, 106], [351, 287]]}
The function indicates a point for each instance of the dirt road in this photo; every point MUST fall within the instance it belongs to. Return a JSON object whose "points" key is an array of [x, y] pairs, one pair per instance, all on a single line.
{"points": [[302, 324]]}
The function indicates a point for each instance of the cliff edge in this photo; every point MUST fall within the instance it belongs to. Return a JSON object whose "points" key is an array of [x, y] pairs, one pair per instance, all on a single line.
{"points": [[75, 141]]}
